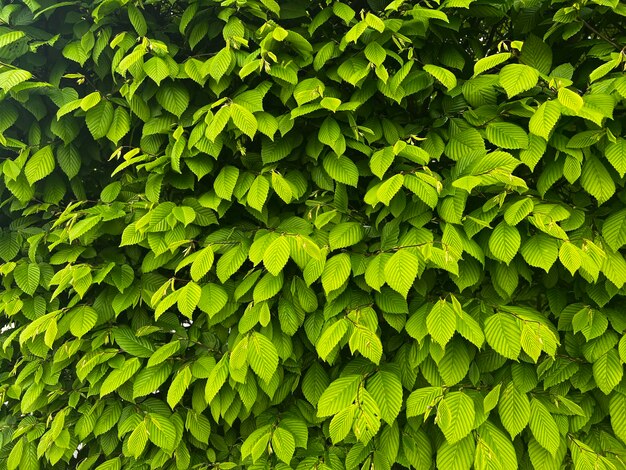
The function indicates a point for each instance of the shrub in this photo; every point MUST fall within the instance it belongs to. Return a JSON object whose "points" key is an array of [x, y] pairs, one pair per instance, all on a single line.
{"points": [[300, 234]]}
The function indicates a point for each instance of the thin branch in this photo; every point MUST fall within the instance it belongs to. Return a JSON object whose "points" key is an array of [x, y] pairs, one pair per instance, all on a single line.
{"points": [[601, 36]]}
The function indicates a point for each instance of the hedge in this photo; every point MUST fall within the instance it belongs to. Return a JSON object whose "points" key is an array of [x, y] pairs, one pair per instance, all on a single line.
{"points": [[312, 234]]}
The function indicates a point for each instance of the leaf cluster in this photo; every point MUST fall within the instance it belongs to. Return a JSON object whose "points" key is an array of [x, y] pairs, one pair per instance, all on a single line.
{"points": [[312, 235]]}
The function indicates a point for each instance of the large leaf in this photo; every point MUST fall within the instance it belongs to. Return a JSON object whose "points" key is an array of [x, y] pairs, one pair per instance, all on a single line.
{"points": [[506, 135], [400, 271], [174, 98], [455, 416], [504, 242], [446, 77], [596, 180], [545, 118], [514, 408], [345, 234], [276, 255], [544, 427], [503, 333], [39, 165], [614, 230], [616, 155], [339, 395], [517, 78], [441, 322], [386, 389], [341, 169], [336, 272], [262, 356]]}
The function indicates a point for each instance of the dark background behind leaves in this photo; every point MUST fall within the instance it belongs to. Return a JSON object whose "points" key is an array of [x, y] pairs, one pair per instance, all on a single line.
{"points": [[260, 234]]}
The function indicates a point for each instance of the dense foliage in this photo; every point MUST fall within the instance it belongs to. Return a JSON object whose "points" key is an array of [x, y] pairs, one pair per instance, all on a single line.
{"points": [[312, 235]]}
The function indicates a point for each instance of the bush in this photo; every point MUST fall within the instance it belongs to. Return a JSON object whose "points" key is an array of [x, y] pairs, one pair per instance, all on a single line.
{"points": [[300, 234]]}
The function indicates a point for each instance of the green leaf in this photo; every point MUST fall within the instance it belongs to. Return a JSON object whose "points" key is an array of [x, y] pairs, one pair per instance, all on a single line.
{"points": [[608, 371], [138, 440], [495, 449], [276, 255], [40, 165], [401, 270], [614, 230], [243, 119], [341, 169], [161, 432], [189, 298], [540, 251], [157, 69], [616, 155], [314, 383], [487, 63], [268, 287], [423, 400], [518, 211], [386, 389], [330, 134], [262, 356], [15, 456], [506, 135], [517, 78], [446, 77], [537, 54], [257, 194], [336, 272], [282, 187], [375, 53], [217, 124], [504, 242], [381, 160], [225, 182], [570, 99], [202, 263], [441, 322], [163, 353], [514, 409], [149, 380], [220, 63], [545, 118], [455, 416], [137, 20], [389, 188], [570, 257], [503, 334], [119, 377], [345, 234], [339, 395], [367, 343], [375, 272], [617, 410], [217, 378], [342, 423], [544, 427], [596, 180], [283, 444], [84, 318], [99, 119], [27, 277], [174, 98], [354, 69], [199, 426], [590, 322], [457, 456], [179, 386], [128, 340], [331, 337]]}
